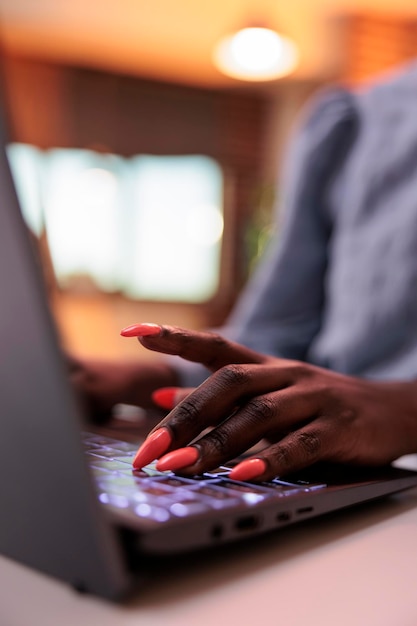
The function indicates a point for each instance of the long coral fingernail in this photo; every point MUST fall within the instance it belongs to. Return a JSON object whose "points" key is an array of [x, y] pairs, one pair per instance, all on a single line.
{"points": [[165, 397], [178, 459], [246, 470], [141, 330], [152, 448]]}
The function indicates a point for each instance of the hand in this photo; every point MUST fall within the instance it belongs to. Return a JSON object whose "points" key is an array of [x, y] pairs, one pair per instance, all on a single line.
{"points": [[307, 414], [103, 384]]}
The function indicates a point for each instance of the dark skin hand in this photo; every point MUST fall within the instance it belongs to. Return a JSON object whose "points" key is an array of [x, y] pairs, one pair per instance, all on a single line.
{"points": [[302, 413], [101, 384]]}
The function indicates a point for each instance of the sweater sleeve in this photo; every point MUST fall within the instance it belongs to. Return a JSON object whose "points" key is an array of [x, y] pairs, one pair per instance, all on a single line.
{"points": [[279, 312]]}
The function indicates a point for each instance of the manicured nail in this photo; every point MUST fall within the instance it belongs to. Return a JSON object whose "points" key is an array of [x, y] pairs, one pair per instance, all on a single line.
{"points": [[251, 468], [165, 397], [152, 448], [141, 330], [178, 459]]}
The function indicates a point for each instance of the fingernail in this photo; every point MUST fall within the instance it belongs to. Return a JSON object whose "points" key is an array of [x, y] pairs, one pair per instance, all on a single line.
{"points": [[178, 459], [165, 397], [152, 448], [141, 330], [251, 468]]}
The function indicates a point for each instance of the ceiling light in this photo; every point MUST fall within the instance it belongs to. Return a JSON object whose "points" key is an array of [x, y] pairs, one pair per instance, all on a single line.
{"points": [[256, 54]]}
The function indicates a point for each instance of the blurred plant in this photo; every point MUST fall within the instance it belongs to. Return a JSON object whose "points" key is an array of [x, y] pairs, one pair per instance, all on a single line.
{"points": [[260, 226]]}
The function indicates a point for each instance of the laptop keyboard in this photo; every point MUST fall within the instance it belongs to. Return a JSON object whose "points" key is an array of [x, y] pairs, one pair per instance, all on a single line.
{"points": [[159, 496]]}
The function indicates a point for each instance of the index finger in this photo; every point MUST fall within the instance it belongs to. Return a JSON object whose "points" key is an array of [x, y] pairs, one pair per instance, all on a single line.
{"points": [[210, 349]]}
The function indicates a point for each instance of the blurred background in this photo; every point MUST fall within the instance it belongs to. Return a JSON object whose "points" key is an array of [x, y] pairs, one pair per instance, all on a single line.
{"points": [[146, 170]]}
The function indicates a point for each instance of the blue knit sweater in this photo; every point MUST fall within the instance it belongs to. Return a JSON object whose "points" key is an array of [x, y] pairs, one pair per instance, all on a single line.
{"points": [[338, 285]]}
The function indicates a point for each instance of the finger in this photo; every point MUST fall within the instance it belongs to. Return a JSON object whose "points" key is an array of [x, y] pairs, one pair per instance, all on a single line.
{"points": [[264, 414], [169, 397], [209, 349], [317, 441], [208, 405], [219, 395]]}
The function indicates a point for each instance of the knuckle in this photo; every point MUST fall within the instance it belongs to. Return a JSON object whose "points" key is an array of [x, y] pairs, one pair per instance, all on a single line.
{"points": [[310, 444], [217, 340], [262, 407], [298, 370], [283, 455], [235, 375], [347, 416], [297, 451], [217, 442], [217, 343], [187, 411]]}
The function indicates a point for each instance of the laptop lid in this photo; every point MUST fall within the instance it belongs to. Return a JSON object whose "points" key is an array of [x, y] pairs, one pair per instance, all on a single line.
{"points": [[50, 517]]}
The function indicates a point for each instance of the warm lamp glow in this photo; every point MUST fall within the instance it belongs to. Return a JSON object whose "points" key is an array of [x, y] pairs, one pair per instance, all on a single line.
{"points": [[256, 54]]}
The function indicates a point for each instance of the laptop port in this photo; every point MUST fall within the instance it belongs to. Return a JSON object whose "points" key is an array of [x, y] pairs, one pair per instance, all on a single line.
{"points": [[305, 509], [248, 522], [285, 516]]}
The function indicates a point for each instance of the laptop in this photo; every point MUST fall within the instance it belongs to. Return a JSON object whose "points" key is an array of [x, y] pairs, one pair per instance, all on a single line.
{"points": [[71, 505]]}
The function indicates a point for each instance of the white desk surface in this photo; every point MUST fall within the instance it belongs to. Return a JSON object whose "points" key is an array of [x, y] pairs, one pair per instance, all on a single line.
{"points": [[357, 568]]}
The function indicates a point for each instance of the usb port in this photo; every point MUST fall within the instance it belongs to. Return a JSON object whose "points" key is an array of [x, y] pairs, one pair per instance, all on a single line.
{"points": [[249, 522], [305, 509]]}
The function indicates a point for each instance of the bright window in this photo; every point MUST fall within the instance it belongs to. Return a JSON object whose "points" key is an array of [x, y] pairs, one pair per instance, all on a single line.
{"points": [[149, 226]]}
